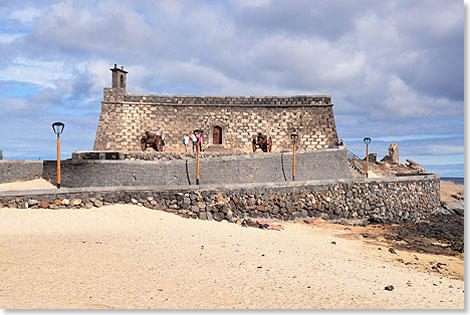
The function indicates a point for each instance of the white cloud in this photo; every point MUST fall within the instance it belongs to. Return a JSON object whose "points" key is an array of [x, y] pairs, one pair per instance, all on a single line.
{"points": [[43, 73], [8, 38], [26, 15], [406, 102], [8, 105], [250, 3], [390, 67]]}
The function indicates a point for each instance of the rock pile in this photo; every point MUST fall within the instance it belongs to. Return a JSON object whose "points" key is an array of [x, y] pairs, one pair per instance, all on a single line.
{"points": [[389, 165], [441, 233]]}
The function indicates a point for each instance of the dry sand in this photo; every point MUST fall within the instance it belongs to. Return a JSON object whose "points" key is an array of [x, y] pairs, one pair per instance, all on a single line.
{"points": [[26, 185], [450, 190], [126, 256]]}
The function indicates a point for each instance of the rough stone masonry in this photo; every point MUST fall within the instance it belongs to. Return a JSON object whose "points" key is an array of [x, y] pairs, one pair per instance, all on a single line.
{"points": [[228, 122], [392, 200]]}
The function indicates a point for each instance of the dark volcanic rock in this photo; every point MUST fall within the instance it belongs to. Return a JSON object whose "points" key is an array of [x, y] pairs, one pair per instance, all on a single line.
{"points": [[447, 229]]}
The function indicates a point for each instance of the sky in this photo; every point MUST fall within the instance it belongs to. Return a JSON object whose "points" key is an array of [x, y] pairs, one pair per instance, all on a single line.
{"points": [[394, 69]]}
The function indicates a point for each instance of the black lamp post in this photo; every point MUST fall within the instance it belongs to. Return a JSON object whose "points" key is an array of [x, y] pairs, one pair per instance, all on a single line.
{"points": [[294, 137], [198, 146], [367, 141], [58, 127]]}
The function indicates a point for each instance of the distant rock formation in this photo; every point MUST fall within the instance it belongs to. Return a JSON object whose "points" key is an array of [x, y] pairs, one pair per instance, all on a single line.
{"points": [[389, 166], [415, 166], [392, 156], [372, 157]]}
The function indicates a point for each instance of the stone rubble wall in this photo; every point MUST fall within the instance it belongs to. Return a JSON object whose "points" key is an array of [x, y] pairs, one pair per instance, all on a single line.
{"points": [[19, 170], [391, 200], [218, 169], [149, 155], [125, 118]]}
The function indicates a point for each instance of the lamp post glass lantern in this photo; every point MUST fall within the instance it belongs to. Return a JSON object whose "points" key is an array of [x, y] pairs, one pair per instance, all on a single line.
{"points": [[58, 127], [198, 147], [367, 141], [294, 137]]}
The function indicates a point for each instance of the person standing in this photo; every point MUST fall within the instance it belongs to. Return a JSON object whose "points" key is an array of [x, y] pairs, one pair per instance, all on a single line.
{"points": [[186, 142], [163, 139], [194, 141], [199, 141]]}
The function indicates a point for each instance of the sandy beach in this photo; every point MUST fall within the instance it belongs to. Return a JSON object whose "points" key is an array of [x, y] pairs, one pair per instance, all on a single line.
{"points": [[125, 256], [39, 183]]}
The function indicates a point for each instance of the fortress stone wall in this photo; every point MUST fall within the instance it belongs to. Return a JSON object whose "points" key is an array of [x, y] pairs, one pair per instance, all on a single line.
{"points": [[390, 200], [235, 169], [125, 117]]}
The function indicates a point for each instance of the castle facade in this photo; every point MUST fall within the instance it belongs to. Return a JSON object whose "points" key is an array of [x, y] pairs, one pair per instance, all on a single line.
{"points": [[228, 122]]}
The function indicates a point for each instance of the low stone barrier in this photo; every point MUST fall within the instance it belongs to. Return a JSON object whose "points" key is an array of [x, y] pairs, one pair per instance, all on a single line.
{"points": [[214, 170], [149, 155], [19, 170], [390, 200]]}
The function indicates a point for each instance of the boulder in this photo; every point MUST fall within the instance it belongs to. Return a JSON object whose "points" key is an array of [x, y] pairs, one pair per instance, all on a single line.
{"points": [[97, 203], [372, 157], [393, 153], [414, 165], [457, 207], [44, 204], [75, 202], [219, 216]]}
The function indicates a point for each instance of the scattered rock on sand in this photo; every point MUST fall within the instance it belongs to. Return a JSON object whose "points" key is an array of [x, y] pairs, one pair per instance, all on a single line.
{"points": [[76, 202], [97, 203], [44, 204]]}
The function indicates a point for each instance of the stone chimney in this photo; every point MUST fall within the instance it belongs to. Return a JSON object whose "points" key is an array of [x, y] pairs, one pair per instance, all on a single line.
{"points": [[118, 78]]}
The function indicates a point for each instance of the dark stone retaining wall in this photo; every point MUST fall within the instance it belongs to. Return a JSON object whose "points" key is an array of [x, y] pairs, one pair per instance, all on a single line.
{"points": [[249, 168], [19, 170], [391, 200]]}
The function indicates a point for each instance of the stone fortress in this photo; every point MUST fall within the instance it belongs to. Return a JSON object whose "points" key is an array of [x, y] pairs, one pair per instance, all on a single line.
{"points": [[234, 183], [228, 122]]}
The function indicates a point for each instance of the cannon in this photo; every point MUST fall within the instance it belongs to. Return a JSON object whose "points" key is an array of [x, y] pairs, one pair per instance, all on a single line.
{"points": [[153, 141], [262, 141]]}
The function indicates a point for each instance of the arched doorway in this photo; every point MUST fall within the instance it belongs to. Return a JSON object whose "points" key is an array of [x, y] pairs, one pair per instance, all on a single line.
{"points": [[217, 135]]}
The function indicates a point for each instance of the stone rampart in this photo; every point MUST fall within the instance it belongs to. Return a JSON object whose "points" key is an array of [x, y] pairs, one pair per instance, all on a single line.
{"points": [[391, 200], [125, 118], [249, 168], [19, 170]]}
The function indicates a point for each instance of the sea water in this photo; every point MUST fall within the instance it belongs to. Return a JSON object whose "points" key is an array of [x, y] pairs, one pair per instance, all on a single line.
{"points": [[457, 180]]}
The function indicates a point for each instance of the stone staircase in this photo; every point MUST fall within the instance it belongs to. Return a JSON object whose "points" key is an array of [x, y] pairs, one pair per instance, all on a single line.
{"points": [[216, 148], [355, 167]]}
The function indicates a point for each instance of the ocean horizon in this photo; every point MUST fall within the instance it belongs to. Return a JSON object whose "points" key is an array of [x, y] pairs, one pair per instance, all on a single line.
{"points": [[457, 180]]}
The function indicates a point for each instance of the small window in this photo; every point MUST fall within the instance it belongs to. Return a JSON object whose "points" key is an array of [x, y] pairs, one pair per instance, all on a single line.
{"points": [[122, 81]]}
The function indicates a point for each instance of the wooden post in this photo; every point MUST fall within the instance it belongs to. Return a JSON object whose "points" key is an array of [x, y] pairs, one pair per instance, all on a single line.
{"points": [[293, 162], [197, 163], [58, 161], [367, 161]]}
